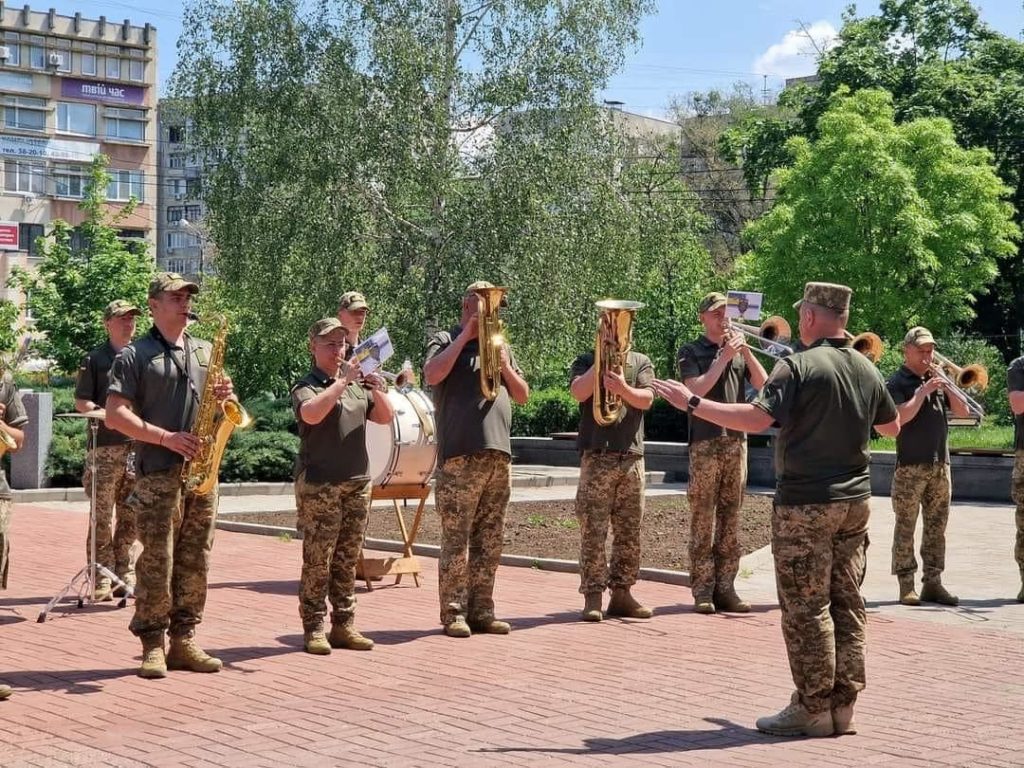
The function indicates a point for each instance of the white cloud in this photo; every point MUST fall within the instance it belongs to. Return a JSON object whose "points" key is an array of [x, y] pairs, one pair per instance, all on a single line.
{"points": [[796, 55]]}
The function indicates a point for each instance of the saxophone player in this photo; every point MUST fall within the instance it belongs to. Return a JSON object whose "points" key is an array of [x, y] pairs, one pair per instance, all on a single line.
{"points": [[474, 478], [154, 394]]}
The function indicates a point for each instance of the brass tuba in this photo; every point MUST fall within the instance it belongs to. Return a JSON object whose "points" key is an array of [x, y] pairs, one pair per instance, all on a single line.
{"points": [[490, 337], [215, 421], [868, 344], [611, 348]]}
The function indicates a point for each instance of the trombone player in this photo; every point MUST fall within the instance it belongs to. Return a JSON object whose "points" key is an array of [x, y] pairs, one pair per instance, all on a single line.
{"points": [[474, 481], [717, 366], [921, 482]]}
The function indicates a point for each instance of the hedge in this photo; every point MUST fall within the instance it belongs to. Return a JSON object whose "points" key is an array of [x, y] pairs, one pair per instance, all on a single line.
{"points": [[554, 410]]}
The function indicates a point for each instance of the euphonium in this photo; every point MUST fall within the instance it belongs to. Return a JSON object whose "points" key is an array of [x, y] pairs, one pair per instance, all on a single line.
{"points": [[611, 348], [7, 442], [215, 421], [491, 338]]}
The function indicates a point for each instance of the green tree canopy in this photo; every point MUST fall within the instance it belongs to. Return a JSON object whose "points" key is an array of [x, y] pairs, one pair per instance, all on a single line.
{"points": [[914, 222], [70, 288]]}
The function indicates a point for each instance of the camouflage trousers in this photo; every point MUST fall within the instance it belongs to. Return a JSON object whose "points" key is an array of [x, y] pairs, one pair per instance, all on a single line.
{"points": [[819, 564], [1017, 491], [920, 488], [176, 530], [610, 492], [471, 494], [718, 477], [332, 520], [5, 540], [113, 486]]}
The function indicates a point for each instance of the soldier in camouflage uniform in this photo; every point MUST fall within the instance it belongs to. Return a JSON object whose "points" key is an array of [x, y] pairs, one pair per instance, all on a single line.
{"points": [[716, 366], [155, 388], [1015, 392], [611, 485], [332, 485], [920, 483], [825, 400], [474, 480], [113, 486], [14, 418]]}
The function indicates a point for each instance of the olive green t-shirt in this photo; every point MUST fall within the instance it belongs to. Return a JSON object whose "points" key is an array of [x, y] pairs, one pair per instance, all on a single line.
{"points": [[1015, 383], [922, 440], [163, 381], [825, 401], [92, 383], [695, 359], [334, 450], [627, 433], [467, 422], [15, 416]]}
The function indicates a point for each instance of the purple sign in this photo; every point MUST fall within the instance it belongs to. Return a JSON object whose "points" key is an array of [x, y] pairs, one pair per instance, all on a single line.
{"points": [[109, 93]]}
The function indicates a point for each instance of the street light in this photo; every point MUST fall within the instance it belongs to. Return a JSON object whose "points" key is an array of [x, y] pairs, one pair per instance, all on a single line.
{"points": [[188, 226]]}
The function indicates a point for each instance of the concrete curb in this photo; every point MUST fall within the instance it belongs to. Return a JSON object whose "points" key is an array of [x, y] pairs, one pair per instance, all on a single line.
{"points": [[680, 578]]}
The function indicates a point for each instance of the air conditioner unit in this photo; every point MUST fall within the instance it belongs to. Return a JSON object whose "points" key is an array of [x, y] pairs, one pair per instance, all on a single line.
{"points": [[55, 60], [5, 53]]}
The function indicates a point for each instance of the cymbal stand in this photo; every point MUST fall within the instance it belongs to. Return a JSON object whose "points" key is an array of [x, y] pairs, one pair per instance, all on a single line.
{"points": [[85, 579]]}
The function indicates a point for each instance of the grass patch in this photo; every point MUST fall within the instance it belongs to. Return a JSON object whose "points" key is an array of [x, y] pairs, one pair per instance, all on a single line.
{"points": [[990, 436]]}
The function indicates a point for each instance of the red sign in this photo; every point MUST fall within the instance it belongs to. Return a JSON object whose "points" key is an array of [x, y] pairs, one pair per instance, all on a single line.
{"points": [[8, 235]]}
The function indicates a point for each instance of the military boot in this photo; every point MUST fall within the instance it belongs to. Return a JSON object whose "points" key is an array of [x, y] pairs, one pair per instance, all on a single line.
{"points": [[842, 721], [457, 627], [728, 601], [706, 607], [102, 593], [5, 691], [345, 635], [185, 653], [908, 594], [624, 604], [129, 586], [488, 625], [592, 606], [934, 592], [154, 663], [315, 641], [795, 720]]}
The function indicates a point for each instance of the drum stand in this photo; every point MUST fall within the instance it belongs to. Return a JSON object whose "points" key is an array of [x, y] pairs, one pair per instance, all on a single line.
{"points": [[85, 579], [371, 567]]}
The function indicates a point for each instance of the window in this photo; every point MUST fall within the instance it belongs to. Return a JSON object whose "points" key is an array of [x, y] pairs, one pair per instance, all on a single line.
{"points": [[177, 188], [175, 134], [136, 64], [24, 113], [28, 234], [175, 214], [113, 63], [69, 181], [87, 59], [13, 42], [176, 239], [36, 52], [76, 118], [177, 266], [126, 124], [63, 49], [125, 185], [20, 176], [176, 160], [193, 212], [192, 188]]}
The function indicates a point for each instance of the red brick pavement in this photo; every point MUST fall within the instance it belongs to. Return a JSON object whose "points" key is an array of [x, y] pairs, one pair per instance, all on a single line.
{"points": [[677, 690]]}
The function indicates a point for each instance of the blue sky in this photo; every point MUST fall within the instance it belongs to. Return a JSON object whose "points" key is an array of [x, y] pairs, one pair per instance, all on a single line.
{"points": [[687, 45]]}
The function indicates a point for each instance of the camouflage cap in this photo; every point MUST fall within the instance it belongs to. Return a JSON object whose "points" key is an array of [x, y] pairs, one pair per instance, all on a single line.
{"points": [[917, 336], [711, 302], [324, 326], [478, 284], [828, 295], [170, 281], [352, 300], [120, 308]]}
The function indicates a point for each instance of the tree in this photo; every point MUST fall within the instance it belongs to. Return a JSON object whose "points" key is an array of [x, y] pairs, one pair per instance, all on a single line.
{"points": [[915, 223], [69, 290], [406, 148]]}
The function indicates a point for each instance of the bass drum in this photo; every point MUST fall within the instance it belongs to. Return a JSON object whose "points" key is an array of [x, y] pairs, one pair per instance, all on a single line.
{"points": [[403, 452]]}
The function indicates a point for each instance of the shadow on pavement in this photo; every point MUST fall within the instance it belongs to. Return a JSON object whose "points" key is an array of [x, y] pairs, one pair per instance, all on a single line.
{"points": [[78, 681], [286, 587]]}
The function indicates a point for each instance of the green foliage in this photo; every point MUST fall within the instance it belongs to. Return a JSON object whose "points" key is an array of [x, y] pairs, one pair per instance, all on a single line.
{"points": [[986, 437], [271, 414], [69, 289], [252, 455], [547, 411], [901, 212], [9, 314]]}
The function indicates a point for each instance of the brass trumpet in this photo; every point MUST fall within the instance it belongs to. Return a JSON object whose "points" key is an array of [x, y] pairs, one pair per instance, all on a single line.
{"points": [[868, 344], [773, 334], [491, 335]]}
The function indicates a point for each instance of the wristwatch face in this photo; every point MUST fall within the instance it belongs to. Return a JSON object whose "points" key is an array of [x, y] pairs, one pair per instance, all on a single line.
{"points": [[694, 401]]}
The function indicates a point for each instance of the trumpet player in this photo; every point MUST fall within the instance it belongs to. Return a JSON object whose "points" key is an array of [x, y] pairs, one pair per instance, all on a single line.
{"points": [[611, 484], [717, 365], [921, 483], [1015, 393], [473, 480]]}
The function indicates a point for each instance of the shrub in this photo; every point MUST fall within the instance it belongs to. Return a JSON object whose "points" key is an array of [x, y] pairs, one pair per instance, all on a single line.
{"points": [[547, 411], [252, 455]]}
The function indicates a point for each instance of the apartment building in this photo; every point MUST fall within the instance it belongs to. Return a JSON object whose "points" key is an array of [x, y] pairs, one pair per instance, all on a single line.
{"points": [[71, 88], [182, 243]]}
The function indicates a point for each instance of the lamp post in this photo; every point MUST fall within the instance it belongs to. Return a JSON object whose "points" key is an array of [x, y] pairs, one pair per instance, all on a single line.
{"points": [[188, 226]]}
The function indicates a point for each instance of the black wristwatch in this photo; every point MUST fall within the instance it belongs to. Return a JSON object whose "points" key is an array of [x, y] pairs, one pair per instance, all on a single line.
{"points": [[693, 402]]}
